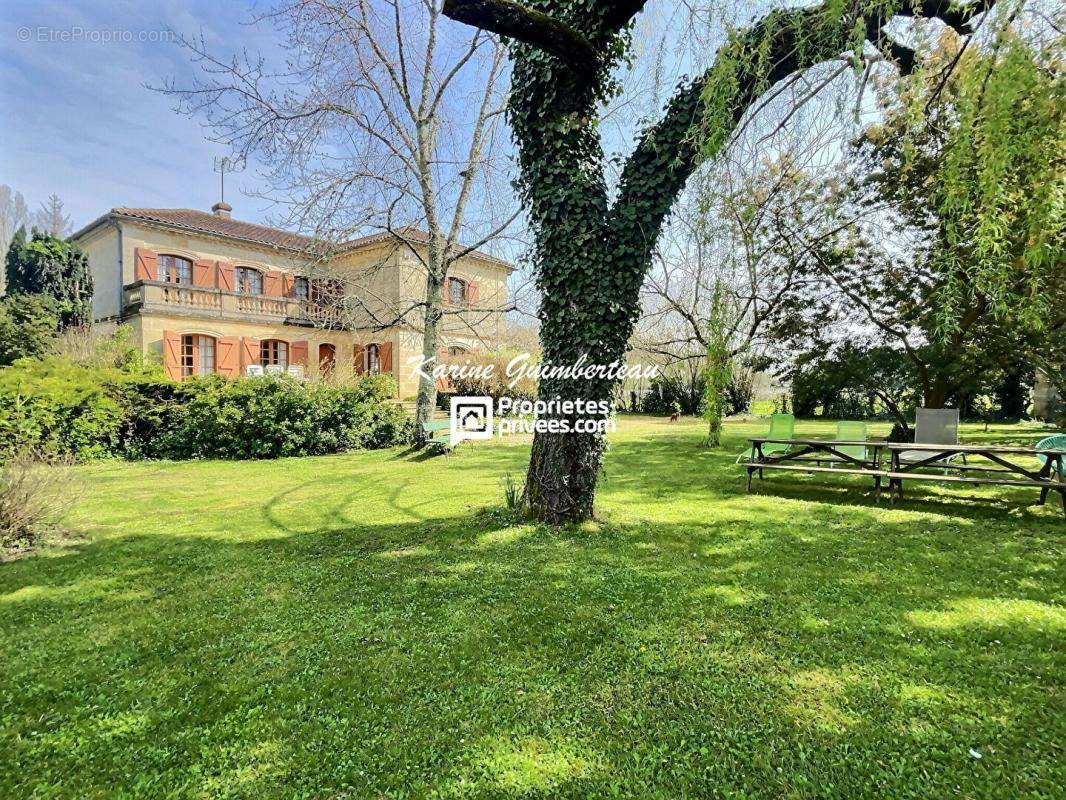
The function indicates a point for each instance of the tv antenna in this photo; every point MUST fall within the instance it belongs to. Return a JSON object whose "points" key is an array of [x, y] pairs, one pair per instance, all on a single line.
{"points": [[226, 164]]}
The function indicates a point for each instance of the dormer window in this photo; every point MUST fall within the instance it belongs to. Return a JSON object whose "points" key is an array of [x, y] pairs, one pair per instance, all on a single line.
{"points": [[248, 280], [175, 269]]}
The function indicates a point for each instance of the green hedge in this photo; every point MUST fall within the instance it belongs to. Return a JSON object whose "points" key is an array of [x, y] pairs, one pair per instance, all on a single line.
{"points": [[91, 412], [272, 417], [60, 408]]}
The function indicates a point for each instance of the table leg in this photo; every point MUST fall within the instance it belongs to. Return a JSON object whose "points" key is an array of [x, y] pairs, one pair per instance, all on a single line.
{"points": [[751, 470]]}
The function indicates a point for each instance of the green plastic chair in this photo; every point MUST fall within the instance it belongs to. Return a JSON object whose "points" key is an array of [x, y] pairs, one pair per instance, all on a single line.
{"points": [[849, 432], [782, 426], [1057, 442]]}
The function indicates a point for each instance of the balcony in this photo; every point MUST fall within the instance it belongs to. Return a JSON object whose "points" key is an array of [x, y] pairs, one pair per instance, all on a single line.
{"points": [[197, 301]]}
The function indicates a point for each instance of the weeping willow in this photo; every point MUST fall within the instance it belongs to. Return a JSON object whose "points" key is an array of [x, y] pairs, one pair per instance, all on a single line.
{"points": [[996, 118]]}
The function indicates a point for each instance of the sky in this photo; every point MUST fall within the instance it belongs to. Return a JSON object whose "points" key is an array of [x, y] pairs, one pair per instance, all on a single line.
{"points": [[78, 119]]}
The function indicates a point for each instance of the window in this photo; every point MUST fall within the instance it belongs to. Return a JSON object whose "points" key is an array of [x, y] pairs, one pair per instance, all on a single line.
{"points": [[327, 357], [248, 280], [325, 291], [197, 355], [274, 353], [373, 358], [300, 288], [457, 351], [456, 291], [175, 269]]}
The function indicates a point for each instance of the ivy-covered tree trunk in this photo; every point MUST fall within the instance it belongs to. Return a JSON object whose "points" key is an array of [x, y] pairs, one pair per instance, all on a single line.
{"points": [[591, 255]]}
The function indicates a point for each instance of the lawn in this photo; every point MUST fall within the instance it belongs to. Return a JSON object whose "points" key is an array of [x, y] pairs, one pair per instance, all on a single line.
{"points": [[370, 625]]}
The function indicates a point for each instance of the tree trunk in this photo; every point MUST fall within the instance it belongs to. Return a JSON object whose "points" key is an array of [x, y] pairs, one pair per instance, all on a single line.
{"points": [[936, 396], [561, 481], [427, 387]]}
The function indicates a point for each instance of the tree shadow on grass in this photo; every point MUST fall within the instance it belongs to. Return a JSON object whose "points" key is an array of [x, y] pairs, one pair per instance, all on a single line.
{"points": [[463, 656]]}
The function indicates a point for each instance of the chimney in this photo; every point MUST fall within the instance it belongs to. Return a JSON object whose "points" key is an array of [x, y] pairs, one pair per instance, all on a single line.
{"points": [[221, 209]]}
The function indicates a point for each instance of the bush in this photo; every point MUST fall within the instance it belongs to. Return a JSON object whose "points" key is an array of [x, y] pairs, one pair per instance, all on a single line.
{"points": [[34, 491], [740, 390], [59, 408], [91, 411], [675, 392], [116, 350], [272, 417], [28, 324]]}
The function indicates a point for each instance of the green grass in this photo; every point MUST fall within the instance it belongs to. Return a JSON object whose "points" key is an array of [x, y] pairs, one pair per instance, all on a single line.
{"points": [[369, 625]]}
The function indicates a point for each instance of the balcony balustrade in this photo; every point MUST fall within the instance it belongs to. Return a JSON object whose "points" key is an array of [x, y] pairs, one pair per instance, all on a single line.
{"points": [[201, 301]]}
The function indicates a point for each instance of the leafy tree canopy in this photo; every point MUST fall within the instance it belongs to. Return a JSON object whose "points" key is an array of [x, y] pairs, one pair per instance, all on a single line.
{"points": [[47, 265]]}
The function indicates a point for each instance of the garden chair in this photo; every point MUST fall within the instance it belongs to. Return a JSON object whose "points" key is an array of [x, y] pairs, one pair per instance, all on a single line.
{"points": [[782, 426], [849, 432], [1057, 442], [933, 426]]}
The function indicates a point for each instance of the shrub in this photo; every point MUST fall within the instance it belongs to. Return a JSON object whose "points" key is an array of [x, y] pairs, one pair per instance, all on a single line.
{"points": [[740, 390], [28, 324], [116, 350], [34, 491], [273, 417], [97, 410], [675, 391], [55, 407]]}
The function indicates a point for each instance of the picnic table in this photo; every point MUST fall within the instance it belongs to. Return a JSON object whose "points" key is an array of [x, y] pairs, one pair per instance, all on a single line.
{"points": [[895, 462]]}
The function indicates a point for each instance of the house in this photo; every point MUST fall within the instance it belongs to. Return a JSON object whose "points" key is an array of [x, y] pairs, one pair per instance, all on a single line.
{"points": [[212, 294]]}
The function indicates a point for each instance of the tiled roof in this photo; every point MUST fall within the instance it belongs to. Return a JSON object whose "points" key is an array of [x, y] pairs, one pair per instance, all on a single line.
{"points": [[203, 222]]}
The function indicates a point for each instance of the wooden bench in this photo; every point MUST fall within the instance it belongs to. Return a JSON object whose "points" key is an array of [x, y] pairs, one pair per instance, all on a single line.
{"points": [[885, 461], [442, 443]]}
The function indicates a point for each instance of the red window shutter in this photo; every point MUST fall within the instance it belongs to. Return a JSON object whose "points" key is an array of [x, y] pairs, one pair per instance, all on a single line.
{"points": [[226, 280], [287, 282], [172, 354], [357, 360], [203, 274], [385, 357], [473, 293], [298, 353], [144, 268], [250, 353], [227, 360], [272, 284]]}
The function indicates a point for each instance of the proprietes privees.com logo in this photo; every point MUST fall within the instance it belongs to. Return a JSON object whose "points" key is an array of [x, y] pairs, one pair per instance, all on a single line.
{"points": [[472, 417]]}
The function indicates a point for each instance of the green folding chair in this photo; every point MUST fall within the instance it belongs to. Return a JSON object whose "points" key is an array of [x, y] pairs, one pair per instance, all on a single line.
{"points": [[848, 431], [782, 426], [1057, 442]]}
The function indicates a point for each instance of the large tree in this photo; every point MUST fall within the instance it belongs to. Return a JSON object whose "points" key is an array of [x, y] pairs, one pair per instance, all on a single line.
{"points": [[593, 247], [955, 252]]}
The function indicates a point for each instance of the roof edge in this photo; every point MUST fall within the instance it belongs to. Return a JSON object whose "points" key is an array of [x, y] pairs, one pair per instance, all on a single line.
{"points": [[350, 246]]}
